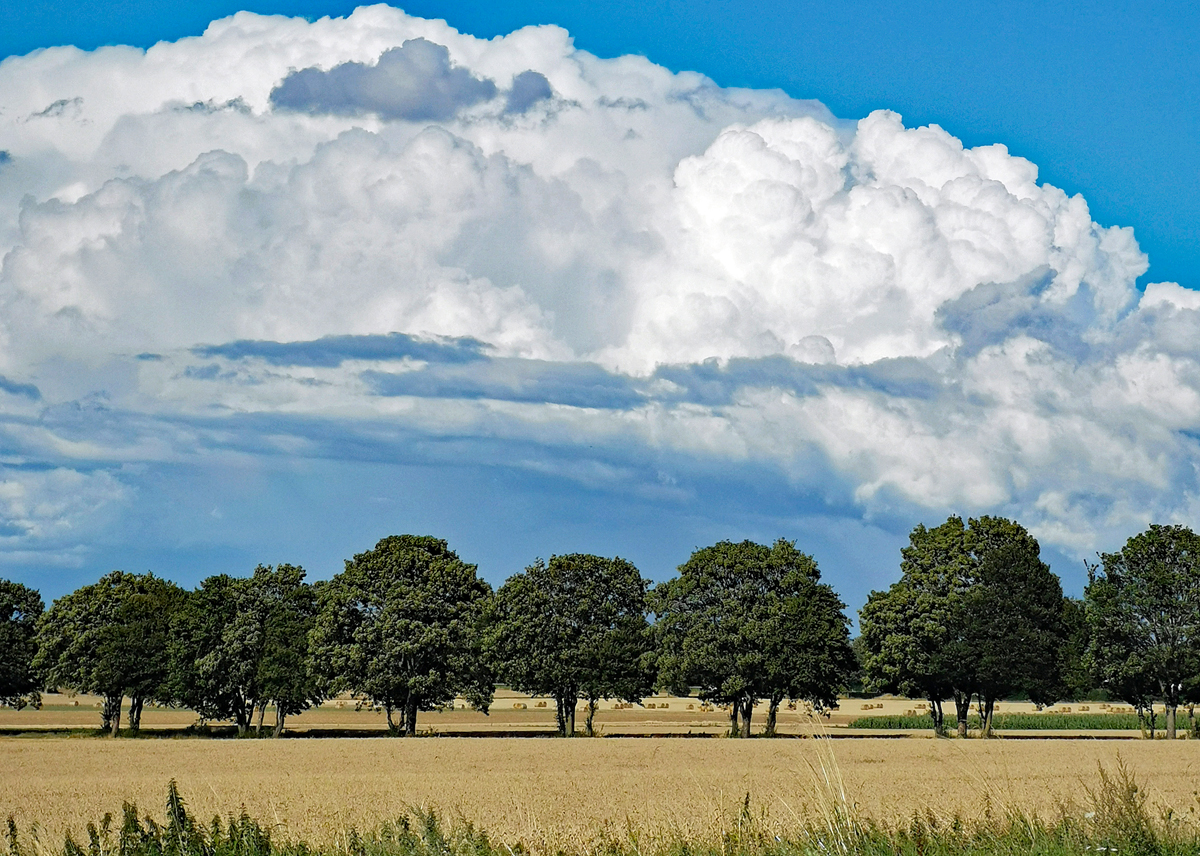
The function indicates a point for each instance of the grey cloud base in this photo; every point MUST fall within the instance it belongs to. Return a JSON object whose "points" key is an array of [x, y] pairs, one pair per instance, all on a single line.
{"points": [[415, 81]]}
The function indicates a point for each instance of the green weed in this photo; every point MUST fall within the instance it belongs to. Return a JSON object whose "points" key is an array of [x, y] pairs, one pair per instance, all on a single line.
{"points": [[1012, 722]]}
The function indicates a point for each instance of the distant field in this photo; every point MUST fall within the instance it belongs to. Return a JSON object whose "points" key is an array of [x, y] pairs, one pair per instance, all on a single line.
{"points": [[514, 713], [555, 790]]}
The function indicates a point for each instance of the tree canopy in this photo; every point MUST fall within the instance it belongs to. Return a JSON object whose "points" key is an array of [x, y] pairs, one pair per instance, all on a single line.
{"points": [[241, 643], [111, 638], [402, 625], [975, 613], [573, 628], [20, 609], [746, 621], [1143, 613]]}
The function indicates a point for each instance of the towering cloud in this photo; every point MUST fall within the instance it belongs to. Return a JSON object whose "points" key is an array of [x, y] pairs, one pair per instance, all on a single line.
{"points": [[414, 82], [298, 238]]}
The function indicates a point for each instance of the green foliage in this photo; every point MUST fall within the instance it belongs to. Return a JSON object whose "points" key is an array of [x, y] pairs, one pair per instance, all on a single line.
{"points": [[975, 613], [1013, 721], [242, 643], [216, 639], [403, 625], [1015, 627], [111, 638], [1143, 614], [285, 677], [1078, 682], [913, 634], [574, 628], [745, 621], [20, 609]]}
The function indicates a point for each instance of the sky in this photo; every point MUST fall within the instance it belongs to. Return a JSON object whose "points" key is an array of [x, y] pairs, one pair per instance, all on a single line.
{"points": [[616, 278]]}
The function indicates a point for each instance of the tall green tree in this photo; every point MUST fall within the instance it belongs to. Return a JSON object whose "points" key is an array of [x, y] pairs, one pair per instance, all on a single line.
{"points": [[216, 638], [111, 639], [1077, 679], [1143, 611], [1015, 619], [806, 635], [744, 622], [574, 628], [285, 676], [20, 609], [975, 614], [403, 625], [241, 644], [914, 633]]}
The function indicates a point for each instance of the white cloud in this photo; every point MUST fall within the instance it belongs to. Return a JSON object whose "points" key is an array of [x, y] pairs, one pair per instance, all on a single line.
{"points": [[49, 515], [924, 324]]}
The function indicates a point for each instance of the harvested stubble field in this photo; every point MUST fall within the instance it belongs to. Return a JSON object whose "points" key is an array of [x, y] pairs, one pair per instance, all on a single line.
{"points": [[565, 791], [515, 713]]}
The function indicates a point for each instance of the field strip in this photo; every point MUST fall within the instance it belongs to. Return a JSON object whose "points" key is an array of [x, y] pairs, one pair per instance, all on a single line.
{"points": [[531, 789]]}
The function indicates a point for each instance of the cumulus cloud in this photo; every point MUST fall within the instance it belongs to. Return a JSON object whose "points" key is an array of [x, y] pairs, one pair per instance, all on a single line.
{"points": [[528, 88], [51, 513], [415, 82], [295, 238]]}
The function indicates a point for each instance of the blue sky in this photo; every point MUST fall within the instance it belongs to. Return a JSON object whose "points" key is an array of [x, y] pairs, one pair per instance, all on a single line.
{"points": [[249, 320]]}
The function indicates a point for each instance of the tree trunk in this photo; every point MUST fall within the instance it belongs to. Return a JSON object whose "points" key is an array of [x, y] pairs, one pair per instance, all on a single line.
{"points": [[1141, 715], [242, 717], [938, 716], [1153, 720], [986, 708], [393, 728], [135, 714], [747, 713], [262, 712], [772, 717], [962, 709], [111, 714], [734, 712], [564, 703], [1170, 723], [278, 722], [410, 716], [591, 716]]}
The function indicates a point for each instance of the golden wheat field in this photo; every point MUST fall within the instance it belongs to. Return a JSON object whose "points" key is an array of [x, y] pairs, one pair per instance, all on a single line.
{"points": [[511, 713], [547, 790]]}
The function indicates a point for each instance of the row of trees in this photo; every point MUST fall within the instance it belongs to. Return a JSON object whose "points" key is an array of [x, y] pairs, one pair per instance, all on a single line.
{"points": [[975, 617], [978, 616], [409, 627]]}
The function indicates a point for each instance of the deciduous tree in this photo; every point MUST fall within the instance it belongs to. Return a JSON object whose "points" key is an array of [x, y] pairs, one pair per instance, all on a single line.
{"points": [[746, 621], [241, 644], [976, 613], [111, 638], [403, 625], [20, 609], [914, 632], [574, 628], [1143, 611], [285, 676], [1015, 627]]}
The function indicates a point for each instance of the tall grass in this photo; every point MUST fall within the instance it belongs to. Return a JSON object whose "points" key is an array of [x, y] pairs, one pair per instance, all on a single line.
{"points": [[1013, 722], [1116, 819]]}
